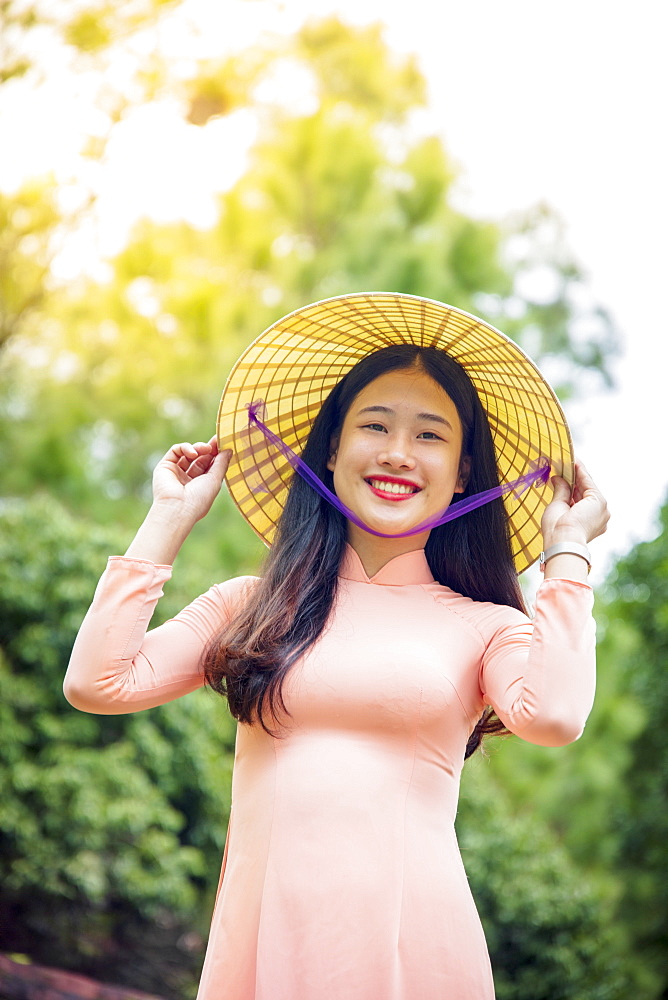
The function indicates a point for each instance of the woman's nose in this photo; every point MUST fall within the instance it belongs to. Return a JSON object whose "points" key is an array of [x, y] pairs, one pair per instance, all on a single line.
{"points": [[397, 454]]}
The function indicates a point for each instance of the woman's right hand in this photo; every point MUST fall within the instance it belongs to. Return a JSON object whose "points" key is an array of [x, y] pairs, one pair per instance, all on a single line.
{"points": [[186, 481], [189, 477]]}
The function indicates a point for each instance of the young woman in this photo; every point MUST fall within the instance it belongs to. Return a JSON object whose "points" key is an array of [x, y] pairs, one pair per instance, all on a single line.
{"points": [[384, 638]]}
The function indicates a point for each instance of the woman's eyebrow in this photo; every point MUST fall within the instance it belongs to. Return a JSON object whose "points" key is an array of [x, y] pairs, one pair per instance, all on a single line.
{"points": [[434, 417]]}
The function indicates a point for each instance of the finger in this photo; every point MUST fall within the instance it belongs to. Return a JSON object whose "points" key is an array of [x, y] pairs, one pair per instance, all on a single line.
{"points": [[219, 465], [215, 472], [577, 496], [201, 465], [205, 463], [184, 450], [222, 461], [562, 491], [198, 451], [583, 480]]}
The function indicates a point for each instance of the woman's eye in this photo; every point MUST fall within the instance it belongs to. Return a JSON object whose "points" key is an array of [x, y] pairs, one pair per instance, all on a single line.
{"points": [[375, 427], [430, 436]]}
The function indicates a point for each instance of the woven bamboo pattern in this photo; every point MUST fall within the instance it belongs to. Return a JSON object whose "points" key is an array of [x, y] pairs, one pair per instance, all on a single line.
{"points": [[298, 360]]}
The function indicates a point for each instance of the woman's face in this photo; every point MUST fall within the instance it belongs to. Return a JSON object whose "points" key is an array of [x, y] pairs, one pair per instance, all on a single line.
{"points": [[398, 458]]}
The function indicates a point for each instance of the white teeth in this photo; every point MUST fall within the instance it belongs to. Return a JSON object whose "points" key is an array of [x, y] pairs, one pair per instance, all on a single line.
{"points": [[384, 487]]}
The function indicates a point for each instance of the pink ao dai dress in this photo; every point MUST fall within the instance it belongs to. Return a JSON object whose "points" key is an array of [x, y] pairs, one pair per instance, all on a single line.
{"points": [[342, 878]]}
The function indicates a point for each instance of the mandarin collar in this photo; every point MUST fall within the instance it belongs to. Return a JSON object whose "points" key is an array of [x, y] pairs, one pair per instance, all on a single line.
{"points": [[405, 570]]}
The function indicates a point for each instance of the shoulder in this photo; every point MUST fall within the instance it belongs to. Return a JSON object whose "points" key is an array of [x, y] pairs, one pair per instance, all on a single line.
{"points": [[208, 612], [222, 598], [233, 592], [484, 617]]}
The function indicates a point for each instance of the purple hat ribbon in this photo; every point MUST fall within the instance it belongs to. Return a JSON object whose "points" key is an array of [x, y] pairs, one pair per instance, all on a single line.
{"points": [[539, 474]]}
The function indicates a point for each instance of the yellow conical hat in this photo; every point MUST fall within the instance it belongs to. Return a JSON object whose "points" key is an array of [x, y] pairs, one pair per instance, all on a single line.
{"points": [[297, 361]]}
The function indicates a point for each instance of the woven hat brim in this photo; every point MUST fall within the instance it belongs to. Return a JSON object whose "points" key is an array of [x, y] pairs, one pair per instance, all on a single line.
{"points": [[297, 361]]}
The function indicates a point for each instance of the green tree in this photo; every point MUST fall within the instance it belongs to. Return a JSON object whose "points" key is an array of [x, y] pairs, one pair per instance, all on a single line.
{"points": [[34, 222], [111, 827], [636, 615], [549, 930], [27, 223], [90, 30], [603, 797], [337, 198], [116, 824]]}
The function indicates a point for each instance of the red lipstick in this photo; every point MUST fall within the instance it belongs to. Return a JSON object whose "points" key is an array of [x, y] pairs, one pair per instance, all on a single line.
{"points": [[392, 479]]}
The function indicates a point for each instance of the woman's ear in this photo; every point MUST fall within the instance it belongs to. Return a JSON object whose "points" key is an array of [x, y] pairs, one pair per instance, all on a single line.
{"points": [[464, 473], [333, 448]]}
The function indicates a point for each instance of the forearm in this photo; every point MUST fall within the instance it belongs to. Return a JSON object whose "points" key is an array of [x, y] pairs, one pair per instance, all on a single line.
{"points": [[162, 533], [541, 681], [108, 673], [117, 666]]}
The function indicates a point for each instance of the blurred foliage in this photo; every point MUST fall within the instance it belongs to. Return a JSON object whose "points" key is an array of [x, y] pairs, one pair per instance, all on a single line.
{"points": [[27, 221], [358, 69], [17, 21], [223, 86], [99, 25], [548, 930], [340, 195], [89, 28], [604, 797], [636, 608], [36, 221], [111, 827]]}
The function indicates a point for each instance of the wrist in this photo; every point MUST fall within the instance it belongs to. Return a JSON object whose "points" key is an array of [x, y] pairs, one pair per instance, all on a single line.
{"points": [[564, 535], [564, 554], [163, 532], [174, 514]]}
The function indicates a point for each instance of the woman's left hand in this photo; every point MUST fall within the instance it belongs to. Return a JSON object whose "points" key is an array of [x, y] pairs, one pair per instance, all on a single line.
{"points": [[576, 518]]}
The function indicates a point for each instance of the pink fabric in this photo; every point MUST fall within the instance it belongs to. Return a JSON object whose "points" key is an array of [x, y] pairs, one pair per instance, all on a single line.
{"points": [[342, 878]]}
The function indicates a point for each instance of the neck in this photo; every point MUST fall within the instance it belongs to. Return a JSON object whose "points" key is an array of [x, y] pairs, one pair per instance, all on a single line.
{"points": [[376, 552]]}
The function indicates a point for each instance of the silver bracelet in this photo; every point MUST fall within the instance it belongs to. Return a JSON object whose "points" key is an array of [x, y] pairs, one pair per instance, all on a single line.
{"points": [[566, 548]]}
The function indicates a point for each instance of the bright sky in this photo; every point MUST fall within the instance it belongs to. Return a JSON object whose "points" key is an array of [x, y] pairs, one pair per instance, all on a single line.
{"points": [[562, 103]]}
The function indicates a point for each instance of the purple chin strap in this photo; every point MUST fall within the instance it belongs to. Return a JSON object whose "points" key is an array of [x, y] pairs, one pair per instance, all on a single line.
{"points": [[539, 474]]}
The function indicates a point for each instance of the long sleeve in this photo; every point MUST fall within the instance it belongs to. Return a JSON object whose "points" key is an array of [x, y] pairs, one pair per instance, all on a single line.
{"points": [[540, 677], [117, 666]]}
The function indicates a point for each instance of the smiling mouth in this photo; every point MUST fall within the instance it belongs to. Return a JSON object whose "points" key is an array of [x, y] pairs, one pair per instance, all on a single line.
{"points": [[392, 490]]}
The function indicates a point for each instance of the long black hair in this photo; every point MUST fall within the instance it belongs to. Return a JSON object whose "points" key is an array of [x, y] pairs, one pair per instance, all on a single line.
{"points": [[287, 610]]}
